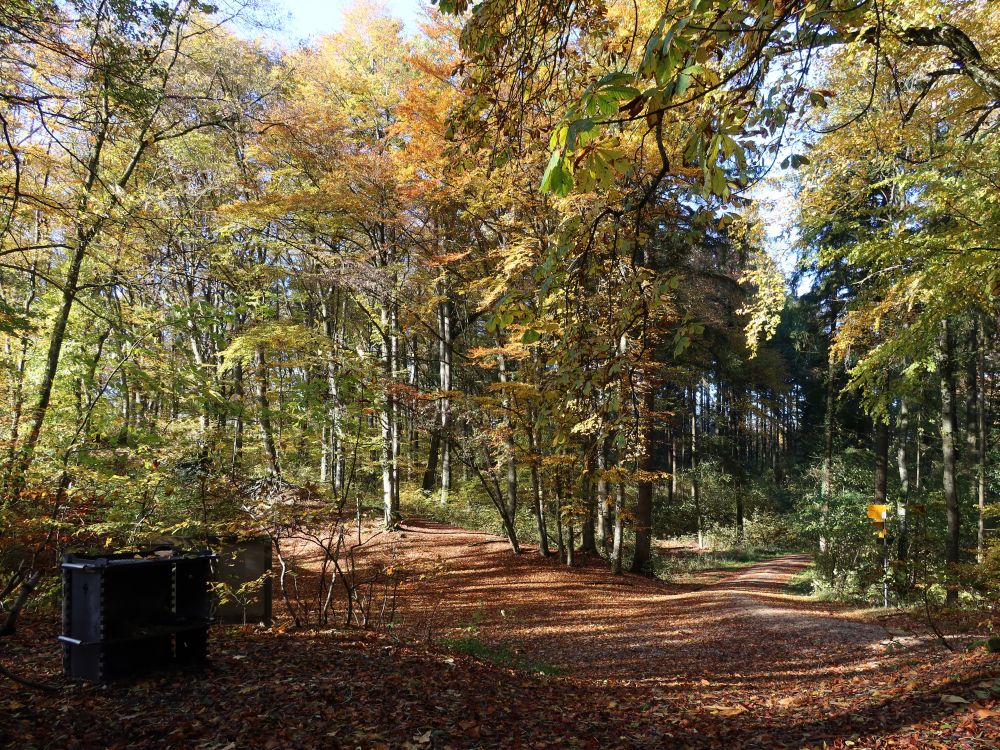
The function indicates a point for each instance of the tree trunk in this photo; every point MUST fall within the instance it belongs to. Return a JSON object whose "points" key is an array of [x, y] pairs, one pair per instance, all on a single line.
{"points": [[588, 540], [826, 481], [604, 527], [238, 421], [946, 369], [264, 417], [644, 489], [560, 542], [536, 494], [430, 472], [509, 447], [444, 372], [333, 445], [618, 545], [20, 468], [881, 460], [387, 419], [981, 441], [902, 428], [695, 488]]}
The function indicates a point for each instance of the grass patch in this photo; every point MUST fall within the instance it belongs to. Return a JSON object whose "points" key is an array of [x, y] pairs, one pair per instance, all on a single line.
{"points": [[499, 655], [803, 583]]}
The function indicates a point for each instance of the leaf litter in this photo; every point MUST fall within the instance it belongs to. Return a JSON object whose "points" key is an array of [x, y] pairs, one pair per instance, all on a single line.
{"points": [[737, 662]]}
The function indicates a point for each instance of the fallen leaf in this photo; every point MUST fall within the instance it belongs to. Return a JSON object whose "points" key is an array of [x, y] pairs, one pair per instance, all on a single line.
{"points": [[726, 710]]}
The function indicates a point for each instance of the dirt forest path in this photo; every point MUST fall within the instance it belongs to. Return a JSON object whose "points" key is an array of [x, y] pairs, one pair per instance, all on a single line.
{"points": [[730, 660], [747, 626]]}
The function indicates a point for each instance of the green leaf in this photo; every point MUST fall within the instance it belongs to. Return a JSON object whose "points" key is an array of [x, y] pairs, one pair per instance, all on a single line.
{"points": [[557, 179], [682, 83], [577, 128]]}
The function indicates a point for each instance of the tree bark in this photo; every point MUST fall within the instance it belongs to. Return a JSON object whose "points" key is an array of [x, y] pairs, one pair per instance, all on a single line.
{"points": [[618, 545], [644, 489], [981, 444], [881, 459], [588, 540], [604, 527], [444, 373], [946, 370], [536, 494], [387, 419], [963, 51], [695, 484], [333, 445], [902, 430], [509, 447], [264, 417], [430, 471], [826, 481]]}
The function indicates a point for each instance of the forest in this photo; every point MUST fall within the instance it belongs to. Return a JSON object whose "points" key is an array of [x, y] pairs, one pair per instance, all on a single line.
{"points": [[635, 300]]}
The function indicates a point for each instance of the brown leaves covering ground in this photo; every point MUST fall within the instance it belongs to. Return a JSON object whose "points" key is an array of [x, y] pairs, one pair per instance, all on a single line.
{"points": [[734, 663]]}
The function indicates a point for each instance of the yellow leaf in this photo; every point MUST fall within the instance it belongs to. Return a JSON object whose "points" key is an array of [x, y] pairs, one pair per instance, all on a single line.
{"points": [[726, 710]]}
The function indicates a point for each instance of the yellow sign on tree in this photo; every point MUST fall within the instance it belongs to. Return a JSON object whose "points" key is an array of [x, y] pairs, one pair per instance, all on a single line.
{"points": [[878, 513]]}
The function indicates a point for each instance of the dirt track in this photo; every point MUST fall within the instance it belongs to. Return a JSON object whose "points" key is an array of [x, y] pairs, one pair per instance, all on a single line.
{"points": [[728, 661], [747, 626]]}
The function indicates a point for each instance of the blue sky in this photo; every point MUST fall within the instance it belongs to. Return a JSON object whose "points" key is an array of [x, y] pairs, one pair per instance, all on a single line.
{"points": [[303, 19]]}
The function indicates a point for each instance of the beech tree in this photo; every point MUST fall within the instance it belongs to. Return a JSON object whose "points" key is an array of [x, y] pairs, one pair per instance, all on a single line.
{"points": [[517, 262]]}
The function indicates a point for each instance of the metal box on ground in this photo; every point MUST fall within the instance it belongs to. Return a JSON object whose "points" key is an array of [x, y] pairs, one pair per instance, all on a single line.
{"points": [[125, 615]]}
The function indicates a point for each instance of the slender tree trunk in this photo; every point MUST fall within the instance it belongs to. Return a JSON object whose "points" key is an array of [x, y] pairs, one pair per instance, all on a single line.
{"points": [[264, 418], [604, 528], [946, 369], [674, 466], [671, 467], [981, 444], [444, 367], [396, 437], [741, 449], [618, 545], [560, 541], [644, 490], [387, 418], [561, 503], [918, 446], [826, 481], [21, 467], [881, 460], [509, 447], [126, 393], [902, 428], [333, 445], [588, 540], [695, 484], [536, 494]]}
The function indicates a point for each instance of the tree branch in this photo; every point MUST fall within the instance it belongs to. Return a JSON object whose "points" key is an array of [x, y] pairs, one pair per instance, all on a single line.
{"points": [[964, 52]]}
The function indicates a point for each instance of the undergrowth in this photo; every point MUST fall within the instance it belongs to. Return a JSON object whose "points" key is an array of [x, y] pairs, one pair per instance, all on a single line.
{"points": [[803, 583]]}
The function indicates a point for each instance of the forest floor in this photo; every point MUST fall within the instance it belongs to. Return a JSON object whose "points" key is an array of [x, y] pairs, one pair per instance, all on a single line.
{"points": [[493, 650]]}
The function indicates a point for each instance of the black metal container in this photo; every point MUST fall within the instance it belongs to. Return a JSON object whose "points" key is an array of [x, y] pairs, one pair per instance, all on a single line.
{"points": [[125, 615]]}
